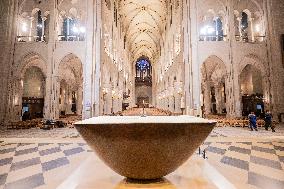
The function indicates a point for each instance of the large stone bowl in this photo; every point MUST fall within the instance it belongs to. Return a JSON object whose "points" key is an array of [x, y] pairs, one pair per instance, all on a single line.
{"points": [[144, 147]]}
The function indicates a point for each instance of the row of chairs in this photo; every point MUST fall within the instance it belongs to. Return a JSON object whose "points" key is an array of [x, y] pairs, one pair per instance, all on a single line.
{"points": [[158, 112], [25, 124], [236, 122], [148, 111], [40, 123], [70, 120]]}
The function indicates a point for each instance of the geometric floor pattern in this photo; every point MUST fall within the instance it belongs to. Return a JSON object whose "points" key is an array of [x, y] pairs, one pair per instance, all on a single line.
{"points": [[258, 164], [25, 166], [38, 133], [250, 160], [32, 165]]}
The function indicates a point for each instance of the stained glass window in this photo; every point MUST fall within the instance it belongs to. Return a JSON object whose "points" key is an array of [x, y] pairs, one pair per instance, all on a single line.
{"points": [[143, 65]]}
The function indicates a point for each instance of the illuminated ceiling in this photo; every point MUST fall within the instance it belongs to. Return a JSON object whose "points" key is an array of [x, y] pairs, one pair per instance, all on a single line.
{"points": [[144, 23]]}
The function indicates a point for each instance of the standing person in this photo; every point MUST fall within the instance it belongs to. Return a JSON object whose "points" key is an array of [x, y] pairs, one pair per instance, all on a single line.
{"points": [[252, 121], [268, 121], [26, 116]]}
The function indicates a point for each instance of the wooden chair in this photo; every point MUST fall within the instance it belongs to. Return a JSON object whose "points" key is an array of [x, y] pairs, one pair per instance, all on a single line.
{"points": [[260, 123], [220, 123]]}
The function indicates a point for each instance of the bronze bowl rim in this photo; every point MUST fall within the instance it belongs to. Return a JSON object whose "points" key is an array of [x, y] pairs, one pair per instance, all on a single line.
{"points": [[122, 120]]}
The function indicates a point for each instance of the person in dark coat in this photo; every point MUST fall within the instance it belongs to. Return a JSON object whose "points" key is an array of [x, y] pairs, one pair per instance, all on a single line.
{"points": [[26, 116], [268, 121], [252, 121]]}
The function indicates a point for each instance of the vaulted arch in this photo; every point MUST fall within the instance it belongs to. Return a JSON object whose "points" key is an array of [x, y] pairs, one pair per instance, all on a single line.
{"points": [[213, 85], [70, 85], [143, 23]]}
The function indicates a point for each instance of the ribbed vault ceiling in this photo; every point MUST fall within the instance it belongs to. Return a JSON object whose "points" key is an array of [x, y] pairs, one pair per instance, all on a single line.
{"points": [[144, 23]]}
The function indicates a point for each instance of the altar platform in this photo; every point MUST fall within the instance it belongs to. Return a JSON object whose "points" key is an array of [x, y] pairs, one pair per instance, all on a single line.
{"points": [[196, 173]]}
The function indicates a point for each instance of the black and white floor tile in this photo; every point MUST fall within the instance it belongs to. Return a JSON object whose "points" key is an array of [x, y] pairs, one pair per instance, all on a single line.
{"points": [[255, 162], [24, 166], [262, 162]]}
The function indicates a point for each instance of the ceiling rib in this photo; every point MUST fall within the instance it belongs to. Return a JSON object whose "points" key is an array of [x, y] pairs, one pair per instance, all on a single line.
{"points": [[143, 23]]}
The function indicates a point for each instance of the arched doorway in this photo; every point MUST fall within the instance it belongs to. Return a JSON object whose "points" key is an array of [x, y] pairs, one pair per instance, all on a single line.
{"points": [[252, 90], [33, 93], [143, 82], [70, 86], [213, 86]]}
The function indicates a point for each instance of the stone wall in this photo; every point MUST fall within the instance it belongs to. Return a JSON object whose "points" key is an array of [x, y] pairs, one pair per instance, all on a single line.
{"points": [[7, 28], [276, 29]]}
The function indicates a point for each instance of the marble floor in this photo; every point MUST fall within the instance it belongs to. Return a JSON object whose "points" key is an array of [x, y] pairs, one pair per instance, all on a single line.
{"points": [[45, 159]]}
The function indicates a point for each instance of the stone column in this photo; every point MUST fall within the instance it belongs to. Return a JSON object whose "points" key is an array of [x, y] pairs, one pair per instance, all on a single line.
{"points": [[240, 27], [218, 96], [119, 104], [113, 95], [88, 66], [108, 102], [268, 105], [119, 101], [97, 59], [79, 102], [7, 40], [251, 29], [171, 103], [194, 60], [163, 103], [171, 99], [63, 103], [31, 33], [55, 102], [231, 79], [115, 105], [19, 95], [51, 102], [187, 77], [275, 69], [63, 98], [104, 105], [43, 28], [160, 103], [182, 104], [234, 97], [47, 98], [108, 98], [68, 94], [16, 105], [52, 89], [223, 105], [178, 91], [207, 99], [177, 98], [116, 101]]}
